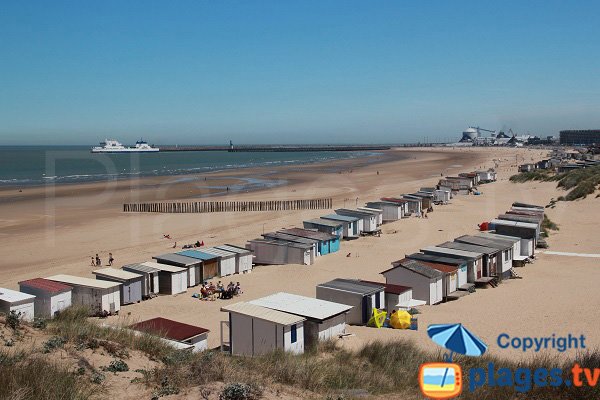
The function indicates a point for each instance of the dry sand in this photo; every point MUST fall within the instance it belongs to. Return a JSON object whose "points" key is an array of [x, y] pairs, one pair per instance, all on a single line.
{"points": [[47, 235]]}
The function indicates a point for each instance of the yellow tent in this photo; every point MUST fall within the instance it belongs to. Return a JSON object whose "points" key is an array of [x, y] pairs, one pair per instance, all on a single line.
{"points": [[378, 318], [400, 320]]}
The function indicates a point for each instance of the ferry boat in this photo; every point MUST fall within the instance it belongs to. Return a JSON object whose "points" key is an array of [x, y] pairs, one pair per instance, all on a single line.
{"points": [[113, 146]]}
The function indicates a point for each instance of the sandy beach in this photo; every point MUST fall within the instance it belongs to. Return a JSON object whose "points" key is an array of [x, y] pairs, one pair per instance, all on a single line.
{"points": [[45, 231]]}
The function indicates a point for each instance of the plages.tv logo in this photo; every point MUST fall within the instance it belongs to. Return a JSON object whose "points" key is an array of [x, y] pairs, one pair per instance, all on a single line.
{"points": [[443, 380]]}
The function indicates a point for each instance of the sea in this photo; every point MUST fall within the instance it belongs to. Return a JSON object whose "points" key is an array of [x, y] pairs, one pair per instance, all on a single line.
{"points": [[42, 165]]}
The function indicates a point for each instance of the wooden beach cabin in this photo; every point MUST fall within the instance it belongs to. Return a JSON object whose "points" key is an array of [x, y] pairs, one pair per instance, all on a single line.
{"points": [[327, 243], [50, 297], [397, 297], [522, 248], [210, 263], [227, 260], [177, 331], [323, 320], [369, 220], [278, 252], [376, 211], [361, 296], [171, 279], [150, 280], [490, 257], [324, 225], [192, 265], [474, 261], [243, 257], [254, 330], [415, 204], [100, 296], [21, 303], [131, 283], [524, 230], [392, 211], [284, 237], [505, 256], [486, 176], [352, 226], [426, 282], [426, 199]]}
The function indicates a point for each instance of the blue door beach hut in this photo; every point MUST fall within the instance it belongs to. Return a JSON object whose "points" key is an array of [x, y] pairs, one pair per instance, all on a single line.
{"points": [[328, 243], [324, 225], [352, 226], [361, 296]]}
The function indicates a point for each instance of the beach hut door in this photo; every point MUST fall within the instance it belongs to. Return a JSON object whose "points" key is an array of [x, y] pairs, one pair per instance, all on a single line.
{"points": [[365, 309]]}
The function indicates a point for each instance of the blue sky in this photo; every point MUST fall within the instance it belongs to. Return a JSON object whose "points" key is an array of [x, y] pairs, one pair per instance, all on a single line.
{"points": [[294, 71]]}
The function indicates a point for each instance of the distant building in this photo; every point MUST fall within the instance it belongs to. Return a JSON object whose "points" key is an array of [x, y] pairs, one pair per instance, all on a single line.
{"points": [[580, 137]]}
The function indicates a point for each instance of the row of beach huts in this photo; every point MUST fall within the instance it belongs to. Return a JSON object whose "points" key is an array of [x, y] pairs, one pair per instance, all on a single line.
{"points": [[297, 320]]}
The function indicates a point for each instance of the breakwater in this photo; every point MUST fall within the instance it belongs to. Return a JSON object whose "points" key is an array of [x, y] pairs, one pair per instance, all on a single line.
{"points": [[229, 206]]}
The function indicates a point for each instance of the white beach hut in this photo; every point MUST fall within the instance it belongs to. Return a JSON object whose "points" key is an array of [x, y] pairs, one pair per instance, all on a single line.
{"points": [[20, 303], [100, 296], [323, 319], [426, 282], [369, 220], [150, 282], [280, 252], [172, 280], [193, 266], [254, 330], [243, 260], [361, 296], [50, 297], [392, 211], [375, 211], [131, 283]]}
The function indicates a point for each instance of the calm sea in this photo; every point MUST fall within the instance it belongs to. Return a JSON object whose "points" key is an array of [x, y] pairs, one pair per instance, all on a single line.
{"points": [[28, 165]]}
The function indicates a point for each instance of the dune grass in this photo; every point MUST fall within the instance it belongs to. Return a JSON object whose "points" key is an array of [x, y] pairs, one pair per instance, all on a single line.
{"points": [[579, 182]]}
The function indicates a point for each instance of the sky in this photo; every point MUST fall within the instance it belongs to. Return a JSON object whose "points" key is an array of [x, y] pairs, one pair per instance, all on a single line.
{"points": [[206, 72]]}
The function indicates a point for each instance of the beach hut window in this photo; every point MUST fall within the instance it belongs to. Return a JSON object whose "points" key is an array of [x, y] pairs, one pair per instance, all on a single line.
{"points": [[294, 334]]}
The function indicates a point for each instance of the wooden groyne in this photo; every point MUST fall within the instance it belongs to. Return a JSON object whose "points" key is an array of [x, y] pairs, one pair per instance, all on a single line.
{"points": [[228, 206]]}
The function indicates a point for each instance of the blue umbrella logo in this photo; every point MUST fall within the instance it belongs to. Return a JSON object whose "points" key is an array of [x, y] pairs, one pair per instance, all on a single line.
{"points": [[457, 339]]}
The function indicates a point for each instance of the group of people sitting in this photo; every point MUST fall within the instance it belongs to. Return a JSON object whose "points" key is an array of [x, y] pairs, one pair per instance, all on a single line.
{"points": [[210, 291], [194, 245]]}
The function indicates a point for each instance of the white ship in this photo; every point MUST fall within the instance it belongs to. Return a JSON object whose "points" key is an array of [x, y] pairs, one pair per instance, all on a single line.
{"points": [[113, 146]]}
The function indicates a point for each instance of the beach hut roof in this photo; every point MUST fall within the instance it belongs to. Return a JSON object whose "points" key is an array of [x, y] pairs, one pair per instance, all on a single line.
{"points": [[353, 286], [163, 267], [169, 329], [385, 203], [286, 243], [177, 258], [263, 313], [219, 252], [485, 241], [514, 223], [306, 307], [309, 233], [343, 218], [436, 259], [325, 222], [416, 267], [469, 247], [371, 210], [234, 249], [503, 238], [358, 213], [198, 255], [117, 274], [441, 267], [289, 238], [141, 268], [80, 281], [517, 204], [13, 296], [444, 250], [390, 288], [46, 285]]}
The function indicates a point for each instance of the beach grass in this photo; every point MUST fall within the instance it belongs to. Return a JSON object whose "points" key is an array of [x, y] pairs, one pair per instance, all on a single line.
{"points": [[579, 182]]}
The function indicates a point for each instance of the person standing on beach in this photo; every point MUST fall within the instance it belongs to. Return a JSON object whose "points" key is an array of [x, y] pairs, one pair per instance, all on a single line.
{"points": [[93, 262], [110, 259], [98, 262]]}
